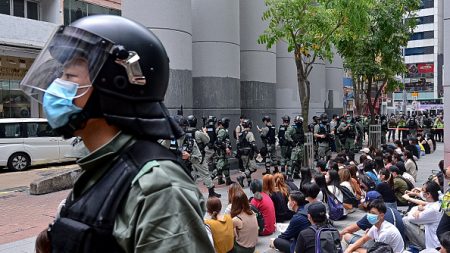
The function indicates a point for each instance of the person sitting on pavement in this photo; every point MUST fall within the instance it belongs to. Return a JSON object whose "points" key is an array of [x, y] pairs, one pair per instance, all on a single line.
{"points": [[232, 190], [444, 239], [306, 240], [286, 241], [221, 226], [391, 215], [422, 221], [322, 183], [411, 165], [264, 204], [312, 194], [401, 166], [334, 188], [381, 230], [279, 200], [444, 224], [306, 176], [386, 188], [369, 170], [354, 180], [400, 185], [290, 183], [245, 224], [321, 167]]}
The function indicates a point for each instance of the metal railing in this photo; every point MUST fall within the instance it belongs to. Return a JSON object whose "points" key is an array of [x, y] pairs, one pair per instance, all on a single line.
{"points": [[308, 160], [374, 136]]}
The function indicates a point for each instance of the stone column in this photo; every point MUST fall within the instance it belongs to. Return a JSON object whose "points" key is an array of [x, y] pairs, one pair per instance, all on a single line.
{"points": [[170, 20], [258, 65], [334, 85], [446, 84], [216, 58]]}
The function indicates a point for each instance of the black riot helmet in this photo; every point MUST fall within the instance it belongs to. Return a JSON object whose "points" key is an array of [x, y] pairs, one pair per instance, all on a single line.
{"points": [[225, 122], [192, 120], [266, 118], [324, 118], [211, 120], [286, 119], [298, 120], [128, 69], [247, 123], [181, 120]]}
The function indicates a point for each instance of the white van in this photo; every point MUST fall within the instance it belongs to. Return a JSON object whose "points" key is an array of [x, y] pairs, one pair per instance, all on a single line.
{"points": [[30, 141]]}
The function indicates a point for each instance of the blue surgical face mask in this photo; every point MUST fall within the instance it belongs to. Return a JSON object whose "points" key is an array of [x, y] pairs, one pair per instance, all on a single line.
{"points": [[57, 102], [372, 218]]}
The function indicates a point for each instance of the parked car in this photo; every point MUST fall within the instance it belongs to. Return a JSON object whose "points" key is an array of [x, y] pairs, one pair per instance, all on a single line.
{"points": [[31, 141]]}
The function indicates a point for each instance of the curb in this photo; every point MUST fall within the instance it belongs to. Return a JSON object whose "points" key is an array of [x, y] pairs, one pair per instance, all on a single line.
{"points": [[54, 183]]}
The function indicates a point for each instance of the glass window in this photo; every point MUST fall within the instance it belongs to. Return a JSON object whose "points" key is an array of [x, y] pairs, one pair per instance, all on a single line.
{"points": [[5, 7], [32, 10], [74, 9], [39, 129], [10, 130], [422, 35], [419, 51], [426, 4], [19, 8]]}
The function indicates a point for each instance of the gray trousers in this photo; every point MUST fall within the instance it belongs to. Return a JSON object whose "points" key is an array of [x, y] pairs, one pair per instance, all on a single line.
{"points": [[415, 233], [203, 173]]}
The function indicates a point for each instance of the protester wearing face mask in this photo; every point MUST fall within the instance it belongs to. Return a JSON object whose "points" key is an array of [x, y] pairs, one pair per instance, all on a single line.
{"points": [[444, 224], [422, 221], [381, 230], [286, 241]]}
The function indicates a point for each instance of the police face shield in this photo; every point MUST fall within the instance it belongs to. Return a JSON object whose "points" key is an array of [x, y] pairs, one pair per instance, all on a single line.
{"points": [[67, 65]]}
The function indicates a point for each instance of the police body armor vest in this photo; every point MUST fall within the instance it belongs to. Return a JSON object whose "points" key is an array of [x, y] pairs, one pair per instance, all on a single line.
{"points": [[299, 136], [281, 131], [211, 132], [270, 137], [244, 147], [86, 224], [351, 131], [189, 140], [323, 130], [412, 124]]}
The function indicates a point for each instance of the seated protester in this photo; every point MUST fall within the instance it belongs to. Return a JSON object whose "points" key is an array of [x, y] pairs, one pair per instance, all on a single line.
{"points": [[444, 224], [369, 170], [322, 183], [334, 187], [221, 226], [290, 183], [360, 166], [381, 230], [286, 241], [439, 178], [401, 166], [354, 181], [279, 200], [422, 221], [264, 204], [424, 144], [392, 215], [444, 239], [321, 167], [411, 165], [311, 192], [245, 224], [387, 158], [411, 147], [401, 185], [232, 190], [306, 177], [306, 240], [386, 188]]}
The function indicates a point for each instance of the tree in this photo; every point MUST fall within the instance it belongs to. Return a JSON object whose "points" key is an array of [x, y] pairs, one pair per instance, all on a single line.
{"points": [[376, 58], [310, 27]]}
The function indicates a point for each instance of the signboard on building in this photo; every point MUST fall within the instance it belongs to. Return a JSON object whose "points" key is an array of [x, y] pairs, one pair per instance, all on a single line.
{"points": [[420, 68], [14, 68]]}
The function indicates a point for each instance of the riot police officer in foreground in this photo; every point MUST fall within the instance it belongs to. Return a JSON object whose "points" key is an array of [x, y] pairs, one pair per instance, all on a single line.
{"points": [[201, 139], [268, 137], [247, 150], [323, 137], [359, 133], [209, 150], [107, 87], [295, 136], [223, 149], [348, 130], [284, 145]]}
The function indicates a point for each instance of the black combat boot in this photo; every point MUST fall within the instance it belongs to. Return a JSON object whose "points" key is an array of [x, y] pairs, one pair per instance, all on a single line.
{"points": [[240, 179], [212, 193], [228, 181], [220, 181]]}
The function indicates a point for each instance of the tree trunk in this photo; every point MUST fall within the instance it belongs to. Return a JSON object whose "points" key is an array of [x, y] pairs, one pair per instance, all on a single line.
{"points": [[303, 88]]}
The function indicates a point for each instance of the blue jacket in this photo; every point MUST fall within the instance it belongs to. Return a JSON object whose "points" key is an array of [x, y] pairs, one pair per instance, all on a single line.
{"points": [[298, 222]]}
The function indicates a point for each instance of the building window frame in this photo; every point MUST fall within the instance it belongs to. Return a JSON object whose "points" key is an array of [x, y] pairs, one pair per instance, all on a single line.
{"points": [[25, 9]]}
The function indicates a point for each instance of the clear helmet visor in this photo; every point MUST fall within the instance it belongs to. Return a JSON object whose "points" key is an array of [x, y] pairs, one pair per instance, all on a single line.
{"points": [[71, 58]]}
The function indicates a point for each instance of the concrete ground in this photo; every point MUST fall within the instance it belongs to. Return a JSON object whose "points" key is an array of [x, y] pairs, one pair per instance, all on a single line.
{"points": [[23, 216]]}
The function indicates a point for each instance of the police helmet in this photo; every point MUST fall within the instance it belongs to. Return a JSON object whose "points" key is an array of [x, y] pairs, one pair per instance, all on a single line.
{"points": [[225, 122], [266, 118], [298, 119], [286, 118], [247, 123], [324, 117], [192, 120], [181, 120], [211, 119], [128, 68]]}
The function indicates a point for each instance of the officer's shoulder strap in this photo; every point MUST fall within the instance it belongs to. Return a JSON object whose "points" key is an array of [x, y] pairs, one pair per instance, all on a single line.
{"points": [[147, 153]]}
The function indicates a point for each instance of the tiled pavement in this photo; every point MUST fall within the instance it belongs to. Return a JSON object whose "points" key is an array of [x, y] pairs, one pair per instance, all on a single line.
{"points": [[23, 216]]}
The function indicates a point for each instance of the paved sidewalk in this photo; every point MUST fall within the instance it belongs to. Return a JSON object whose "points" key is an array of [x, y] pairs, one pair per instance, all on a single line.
{"points": [[31, 214]]}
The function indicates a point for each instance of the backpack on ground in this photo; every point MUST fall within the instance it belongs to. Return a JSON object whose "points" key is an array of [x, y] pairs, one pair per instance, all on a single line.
{"points": [[335, 207], [259, 218], [366, 181], [349, 197], [380, 247], [327, 240]]}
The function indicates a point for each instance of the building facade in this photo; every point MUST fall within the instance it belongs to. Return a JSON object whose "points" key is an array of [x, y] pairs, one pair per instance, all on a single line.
{"points": [[216, 66], [424, 60]]}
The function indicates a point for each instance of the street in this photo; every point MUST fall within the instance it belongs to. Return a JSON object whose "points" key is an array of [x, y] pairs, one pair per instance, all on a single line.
{"points": [[23, 216]]}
